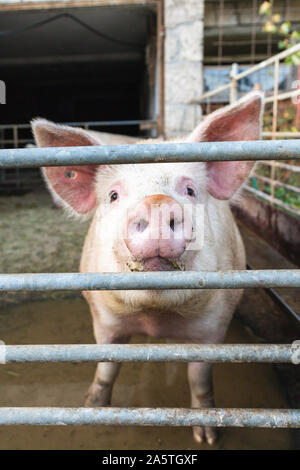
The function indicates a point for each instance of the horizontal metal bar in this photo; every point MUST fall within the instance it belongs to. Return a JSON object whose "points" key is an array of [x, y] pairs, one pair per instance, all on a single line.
{"points": [[275, 353], [19, 141], [295, 135], [271, 60], [283, 96], [131, 122], [151, 153], [151, 280], [285, 166], [220, 417]]}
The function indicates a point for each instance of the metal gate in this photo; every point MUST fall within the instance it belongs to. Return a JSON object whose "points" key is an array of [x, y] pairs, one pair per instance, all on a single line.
{"points": [[155, 153]]}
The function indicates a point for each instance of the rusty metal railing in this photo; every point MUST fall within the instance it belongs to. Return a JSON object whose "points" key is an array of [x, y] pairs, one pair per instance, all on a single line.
{"points": [[150, 153], [151, 280]]}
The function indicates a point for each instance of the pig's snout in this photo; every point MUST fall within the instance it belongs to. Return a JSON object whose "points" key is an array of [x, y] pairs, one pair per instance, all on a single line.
{"points": [[158, 227]]}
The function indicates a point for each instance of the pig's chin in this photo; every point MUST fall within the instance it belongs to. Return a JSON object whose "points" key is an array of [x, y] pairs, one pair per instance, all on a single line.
{"points": [[158, 263]]}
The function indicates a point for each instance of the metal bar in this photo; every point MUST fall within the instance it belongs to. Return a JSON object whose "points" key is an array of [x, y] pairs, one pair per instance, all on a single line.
{"points": [[275, 353], [282, 134], [20, 141], [245, 42], [220, 417], [278, 57], [283, 96], [286, 166], [276, 183], [10, 126], [135, 122], [151, 280], [243, 58], [150, 153], [286, 308], [89, 123]]}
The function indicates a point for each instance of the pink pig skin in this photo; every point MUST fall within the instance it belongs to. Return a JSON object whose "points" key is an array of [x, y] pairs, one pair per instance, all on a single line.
{"points": [[124, 236]]}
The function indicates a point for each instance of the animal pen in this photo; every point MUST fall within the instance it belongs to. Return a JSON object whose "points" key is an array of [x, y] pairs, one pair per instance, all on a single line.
{"points": [[194, 280]]}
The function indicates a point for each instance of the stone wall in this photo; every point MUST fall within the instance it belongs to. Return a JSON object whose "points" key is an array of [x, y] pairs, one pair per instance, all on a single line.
{"points": [[183, 64]]}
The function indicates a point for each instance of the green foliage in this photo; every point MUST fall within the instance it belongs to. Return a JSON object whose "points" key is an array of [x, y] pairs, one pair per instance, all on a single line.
{"points": [[285, 119]]}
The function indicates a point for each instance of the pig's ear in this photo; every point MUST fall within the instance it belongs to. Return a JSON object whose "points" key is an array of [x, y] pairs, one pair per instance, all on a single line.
{"points": [[240, 121], [73, 185]]}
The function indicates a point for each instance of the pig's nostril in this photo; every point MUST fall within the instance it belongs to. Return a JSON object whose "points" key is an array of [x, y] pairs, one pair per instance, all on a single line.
{"points": [[141, 225], [172, 225]]}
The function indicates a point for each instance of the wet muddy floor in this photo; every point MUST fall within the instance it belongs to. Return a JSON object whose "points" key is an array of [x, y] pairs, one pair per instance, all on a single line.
{"points": [[140, 385]]}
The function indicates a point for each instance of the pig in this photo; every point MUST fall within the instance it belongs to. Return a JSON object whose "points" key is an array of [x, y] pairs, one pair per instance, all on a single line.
{"points": [[120, 199]]}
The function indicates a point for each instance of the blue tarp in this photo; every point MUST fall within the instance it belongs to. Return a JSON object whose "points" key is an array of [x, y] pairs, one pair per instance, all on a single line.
{"points": [[215, 77]]}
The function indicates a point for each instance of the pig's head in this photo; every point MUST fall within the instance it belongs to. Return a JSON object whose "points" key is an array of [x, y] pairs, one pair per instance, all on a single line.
{"points": [[145, 215]]}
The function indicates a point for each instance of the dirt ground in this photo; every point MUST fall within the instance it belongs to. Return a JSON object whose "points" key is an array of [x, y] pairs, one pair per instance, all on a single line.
{"points": [[35, 236]]}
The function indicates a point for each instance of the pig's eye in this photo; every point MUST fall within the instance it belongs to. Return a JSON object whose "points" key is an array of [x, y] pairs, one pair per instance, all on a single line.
{"points": [[70, 174], [190, 192], [113, 196]]}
